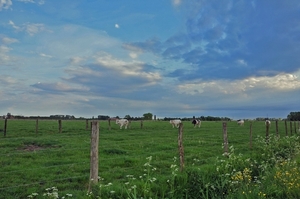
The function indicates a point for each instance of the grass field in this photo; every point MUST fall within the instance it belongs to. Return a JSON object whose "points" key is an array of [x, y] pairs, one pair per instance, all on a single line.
{"points": [[30, 162]]}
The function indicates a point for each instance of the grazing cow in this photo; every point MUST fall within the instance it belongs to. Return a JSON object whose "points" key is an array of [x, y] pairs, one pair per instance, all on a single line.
{"points": [[175, 123], [196, 123], [241, 122], [122, 122], [268, 122]]}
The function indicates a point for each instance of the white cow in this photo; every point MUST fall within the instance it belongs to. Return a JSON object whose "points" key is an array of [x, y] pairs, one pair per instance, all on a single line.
{"points": [[122, 122], [196, 123], [241, 122], [175, 123], [268, 122]]}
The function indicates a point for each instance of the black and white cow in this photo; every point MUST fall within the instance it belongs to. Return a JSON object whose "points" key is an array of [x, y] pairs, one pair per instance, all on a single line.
{"points": [[196, 123], [268, 122], [241, 122]]}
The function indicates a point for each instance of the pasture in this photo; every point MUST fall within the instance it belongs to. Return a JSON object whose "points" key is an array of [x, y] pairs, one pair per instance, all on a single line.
{"points": [[30, 162]]}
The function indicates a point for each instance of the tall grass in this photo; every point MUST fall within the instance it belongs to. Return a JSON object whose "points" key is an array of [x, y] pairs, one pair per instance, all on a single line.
{"points": [[139, 162]]}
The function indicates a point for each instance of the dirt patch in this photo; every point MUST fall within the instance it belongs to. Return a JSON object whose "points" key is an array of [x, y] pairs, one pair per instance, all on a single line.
{"points": [[32, 147]]}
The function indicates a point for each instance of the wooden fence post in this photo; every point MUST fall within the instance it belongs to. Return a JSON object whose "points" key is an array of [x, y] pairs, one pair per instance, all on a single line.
{"points": [[277, 130], [5, 126], [36, 126], [291, 128], [180, 146], [86, 124], [286, 130], [267, 131], [251, 135], [94, 154], [142, 124], [109, 126], [225, 138], [59, 126], [295, 129]]}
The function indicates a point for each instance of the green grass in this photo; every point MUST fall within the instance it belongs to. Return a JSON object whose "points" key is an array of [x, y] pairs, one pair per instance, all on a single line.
{"points": [[62, 160]]}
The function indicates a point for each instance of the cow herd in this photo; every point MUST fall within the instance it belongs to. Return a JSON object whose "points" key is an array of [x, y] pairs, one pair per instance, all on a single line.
{"points": [[177, 122], [174, 123]]}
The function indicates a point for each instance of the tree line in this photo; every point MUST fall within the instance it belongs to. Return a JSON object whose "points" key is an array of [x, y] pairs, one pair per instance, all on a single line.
{"points": [[294, 116], [202, 118]]}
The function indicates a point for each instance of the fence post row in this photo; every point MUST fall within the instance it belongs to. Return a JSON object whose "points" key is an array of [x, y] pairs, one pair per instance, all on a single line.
{"points": [[94, 153], [180, 146]]}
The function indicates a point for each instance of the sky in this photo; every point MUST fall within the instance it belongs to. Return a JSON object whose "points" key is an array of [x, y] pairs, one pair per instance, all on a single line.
{"points": [[171, 58]]}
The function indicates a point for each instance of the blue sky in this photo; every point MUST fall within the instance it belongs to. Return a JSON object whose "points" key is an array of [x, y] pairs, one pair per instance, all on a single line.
{"points": [[172, 58]]}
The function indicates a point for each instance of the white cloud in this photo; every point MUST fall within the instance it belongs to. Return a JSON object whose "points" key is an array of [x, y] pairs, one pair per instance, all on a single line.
{"points": [[5, 4], [132, 68], [7, 80], [44, 55], [280, 82], [117, 25], [83, 71], [33, 29], [76, 60], [7, 40], [40, 2], [4, 49], [59, 86], [241, 62], [134, 51], [4, 57], [30, 28], [133, 55], [176, 2], [13, 24], [27, 1]]}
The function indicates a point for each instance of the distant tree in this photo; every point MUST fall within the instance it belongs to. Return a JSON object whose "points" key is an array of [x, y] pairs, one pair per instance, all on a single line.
{"points": [[103, 117], [8, 115], [148, 116], [294, 116], [202, 118], [127, 117]]}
